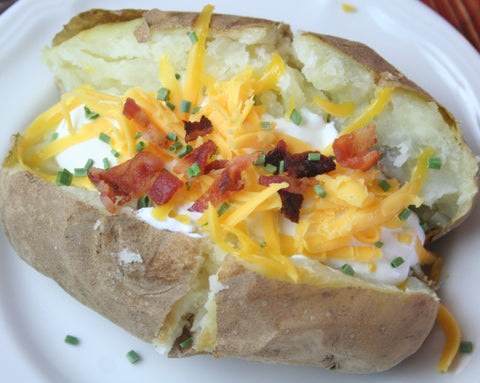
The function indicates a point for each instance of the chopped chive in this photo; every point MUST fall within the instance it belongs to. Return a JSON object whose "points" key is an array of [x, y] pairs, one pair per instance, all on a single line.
{"points": [[170, 105], [296, 117], [223, 208], [172, 137], [115, 153], [186, 342], [465, 347], [196, 109], [104, 137], [53, 136], [64, 178], [384, 185], [397, 262], [266, 125], [193, 37], [347, 269], [193, 170], [332, 156], [80, 172], [70, 339], [106, 163], [89, 164], [90, 114], [281, 166], [163, 94], [214, 152], [185, 106], [177, 76], [137, 135], [320, 191], [263, 245], [260, 161], [133, 357], [144, 201], [425, 226], [270, 168], [314, 156], [188, 184], [185, 150], [174, 147], [378, 244], [140, 146], [434, 163], [404, 214]]}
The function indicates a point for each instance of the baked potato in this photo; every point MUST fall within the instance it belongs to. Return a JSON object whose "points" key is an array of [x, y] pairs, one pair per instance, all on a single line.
{"points": [[206, 287]]}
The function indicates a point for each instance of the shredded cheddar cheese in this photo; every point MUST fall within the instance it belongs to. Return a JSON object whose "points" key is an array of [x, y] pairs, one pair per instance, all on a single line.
{"points": [[453, 337]]}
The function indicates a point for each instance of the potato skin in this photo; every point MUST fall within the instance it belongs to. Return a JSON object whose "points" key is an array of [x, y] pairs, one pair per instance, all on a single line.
{"points": [[360, 328], [78, 246]]}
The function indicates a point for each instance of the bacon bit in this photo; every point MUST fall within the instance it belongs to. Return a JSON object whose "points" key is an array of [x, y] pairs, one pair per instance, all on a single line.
{"points": [[197, 128], [199, 156], [298, 165], [134, 112], [354, 150], [291, 204], [228, 181], [143, 174], [164, 187], [215, 165], [296, 185]]}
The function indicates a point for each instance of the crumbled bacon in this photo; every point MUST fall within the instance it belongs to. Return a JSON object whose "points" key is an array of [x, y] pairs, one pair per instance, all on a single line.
{"points": [[143, 174], [197, 128], [298, 165], [226, 182], [354, 150], [134, 112], [291, 204], [199, 156], [215, 165]]}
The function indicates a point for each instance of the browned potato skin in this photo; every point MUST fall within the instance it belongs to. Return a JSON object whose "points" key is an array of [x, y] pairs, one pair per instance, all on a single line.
{"points": [[55, 233]]}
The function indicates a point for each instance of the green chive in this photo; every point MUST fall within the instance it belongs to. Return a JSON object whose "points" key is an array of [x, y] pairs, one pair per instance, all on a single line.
{"points": [[378, 244], [434, 163], [185, 150], [214, 152], [185, 106], [115, 153], [193, 170], [347, 269], [174, 147], [105, 138], [172, 137], [137, 135], [53, 136], [106, 164], [425, 226], [223, 208], [170, 105], [186, 342], [80, 172], [384, 185], [177, 76], [70, 339], [320, 191], [263, 245], [133, 357], [90, 114], [314, 156], [144, 201], [397, 262], [196, 109], [260, 161], [140, 146], [465, 347], [64, 178], [188, 184], [193, 37], [163, 94], [404, 214], [296, 117], [270, 168], [266, 125], [88, 165], [332, 156], [281, 166]]}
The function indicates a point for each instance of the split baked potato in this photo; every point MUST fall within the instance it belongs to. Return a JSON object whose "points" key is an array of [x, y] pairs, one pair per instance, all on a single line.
{"points": [[183, 291]]}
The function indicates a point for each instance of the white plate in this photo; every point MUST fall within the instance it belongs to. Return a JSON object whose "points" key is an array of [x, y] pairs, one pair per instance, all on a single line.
{"points": [[35, 314]]}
